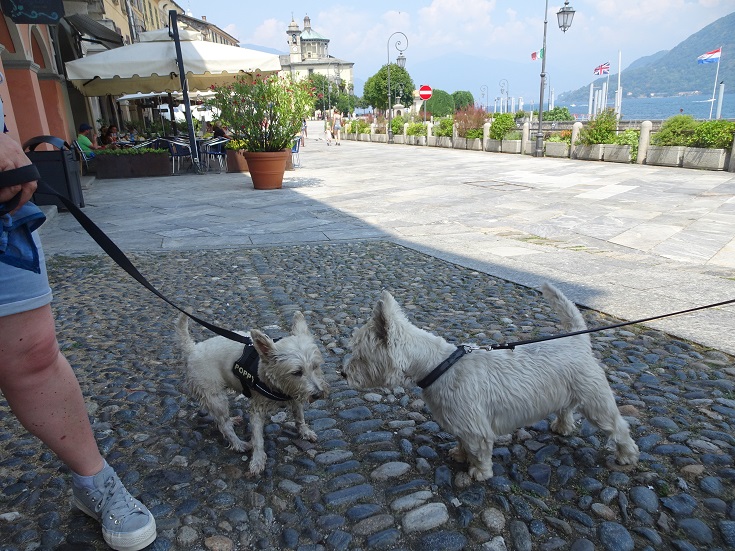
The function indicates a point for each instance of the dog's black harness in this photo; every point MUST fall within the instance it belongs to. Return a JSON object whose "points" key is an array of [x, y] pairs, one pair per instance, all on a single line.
{"points": [[443, 367], [246, 370]]}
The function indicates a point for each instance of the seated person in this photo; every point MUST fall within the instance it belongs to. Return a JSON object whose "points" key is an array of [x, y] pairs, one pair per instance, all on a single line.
{"points": [[84, 140], [109, 138], [218, 131]]}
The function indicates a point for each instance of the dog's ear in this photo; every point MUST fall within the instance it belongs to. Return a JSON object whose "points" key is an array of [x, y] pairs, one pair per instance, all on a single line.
{"points": [[262, 342], [381, 316], [298, 326]]}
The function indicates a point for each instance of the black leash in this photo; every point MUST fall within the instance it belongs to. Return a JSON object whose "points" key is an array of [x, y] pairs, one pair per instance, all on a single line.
{"points": [[114, 252], [512, 345]]}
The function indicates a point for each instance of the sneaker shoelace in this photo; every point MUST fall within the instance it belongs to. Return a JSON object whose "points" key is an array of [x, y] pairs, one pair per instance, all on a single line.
{"points": [[120, 507]]}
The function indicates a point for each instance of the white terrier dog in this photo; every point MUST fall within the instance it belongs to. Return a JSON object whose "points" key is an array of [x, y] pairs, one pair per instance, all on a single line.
{"points": [[490, 393], [287, 370]]}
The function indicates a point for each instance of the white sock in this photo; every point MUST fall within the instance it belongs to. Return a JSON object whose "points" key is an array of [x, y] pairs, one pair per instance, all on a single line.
{"points": [[86, 482]]}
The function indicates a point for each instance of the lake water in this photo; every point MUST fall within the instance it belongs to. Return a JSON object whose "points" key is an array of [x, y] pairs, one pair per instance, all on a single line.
{"points": [[663, 108]]}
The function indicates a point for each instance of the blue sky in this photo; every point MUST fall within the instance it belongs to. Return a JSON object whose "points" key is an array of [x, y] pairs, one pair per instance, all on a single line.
{"points": [[467, 44]]}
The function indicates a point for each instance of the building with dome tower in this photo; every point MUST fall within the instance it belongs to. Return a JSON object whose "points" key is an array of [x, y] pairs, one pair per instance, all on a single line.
{"points": [[308, 53]]}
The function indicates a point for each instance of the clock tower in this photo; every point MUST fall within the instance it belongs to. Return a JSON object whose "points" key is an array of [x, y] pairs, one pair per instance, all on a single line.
{"points": [[294, 42]]}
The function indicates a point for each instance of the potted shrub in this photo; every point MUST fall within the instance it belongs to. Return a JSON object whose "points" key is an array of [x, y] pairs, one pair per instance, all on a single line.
{"points": [[558, 144], [444, 132], [132, 162], [265, 114], [235, 151], [710, 145], [416, 133], [501, 126], [667, 145], [598, 131], [469, 122], [624, 148]]}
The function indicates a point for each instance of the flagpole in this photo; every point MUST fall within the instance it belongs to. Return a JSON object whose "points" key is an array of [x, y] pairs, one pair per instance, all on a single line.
{"points": [[714, 89], [619, 95]]}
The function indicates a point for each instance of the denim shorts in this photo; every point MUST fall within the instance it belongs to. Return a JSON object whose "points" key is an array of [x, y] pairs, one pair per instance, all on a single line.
{"points": [[23, 290]]}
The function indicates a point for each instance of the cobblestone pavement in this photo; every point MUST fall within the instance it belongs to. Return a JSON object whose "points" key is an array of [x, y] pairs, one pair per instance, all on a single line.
{"points": [[379, 476]]}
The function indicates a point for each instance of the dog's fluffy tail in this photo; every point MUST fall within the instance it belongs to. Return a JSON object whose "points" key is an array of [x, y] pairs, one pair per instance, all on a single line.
{"points": [[569, 314], [182, 331]]}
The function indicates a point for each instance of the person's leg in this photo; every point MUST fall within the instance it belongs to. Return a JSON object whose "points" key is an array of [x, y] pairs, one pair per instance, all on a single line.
{"points": [[42, 389]]}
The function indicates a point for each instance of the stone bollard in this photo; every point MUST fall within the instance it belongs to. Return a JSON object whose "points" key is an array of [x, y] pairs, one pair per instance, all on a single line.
{"points": [[576, 129], [525, 133], [429, 129], [485, 135], [644, 141], [731, 167]]}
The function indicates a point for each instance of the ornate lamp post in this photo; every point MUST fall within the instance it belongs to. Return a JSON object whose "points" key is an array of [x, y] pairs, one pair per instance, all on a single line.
{"points": [[564, 17], [483, 94], [401, 62]]}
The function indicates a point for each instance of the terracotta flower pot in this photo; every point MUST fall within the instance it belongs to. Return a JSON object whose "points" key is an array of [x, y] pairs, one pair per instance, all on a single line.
{"points": [[236, 161], [267, 167]]}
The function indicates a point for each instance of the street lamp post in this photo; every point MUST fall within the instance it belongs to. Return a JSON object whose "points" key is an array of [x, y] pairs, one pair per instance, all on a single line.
{"points": [[484, 94], [401, 62], [564, 17]]}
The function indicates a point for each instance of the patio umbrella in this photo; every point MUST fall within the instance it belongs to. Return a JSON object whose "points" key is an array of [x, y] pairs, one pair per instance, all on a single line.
{"points": [[150, 65]]}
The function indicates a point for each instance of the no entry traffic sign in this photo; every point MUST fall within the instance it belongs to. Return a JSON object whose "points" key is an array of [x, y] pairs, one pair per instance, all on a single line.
{"points": [[425, 92]]}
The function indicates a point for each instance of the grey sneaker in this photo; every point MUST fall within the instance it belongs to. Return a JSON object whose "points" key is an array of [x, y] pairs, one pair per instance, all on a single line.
{"points": [[127, 525]]}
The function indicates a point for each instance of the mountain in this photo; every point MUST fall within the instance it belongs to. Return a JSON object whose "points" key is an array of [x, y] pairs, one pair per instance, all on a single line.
{"points": [[676, 71], [647, 60]]}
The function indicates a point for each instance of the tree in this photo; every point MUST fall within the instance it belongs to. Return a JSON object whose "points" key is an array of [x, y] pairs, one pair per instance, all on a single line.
{"points": [[375, 91], [558, 114], [462, 99], [324, 99], [441, 104]]}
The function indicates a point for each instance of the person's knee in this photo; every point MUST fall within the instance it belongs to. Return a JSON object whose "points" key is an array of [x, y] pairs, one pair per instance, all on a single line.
{"points": [[29, 349]]}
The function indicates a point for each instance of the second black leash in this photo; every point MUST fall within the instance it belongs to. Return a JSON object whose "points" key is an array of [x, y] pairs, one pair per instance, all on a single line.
{"points": [[124, 262]]}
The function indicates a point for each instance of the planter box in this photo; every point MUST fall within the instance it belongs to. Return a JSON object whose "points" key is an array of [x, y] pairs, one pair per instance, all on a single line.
{"points": [[133, 166], [444, 141], [236, 161], [511, 146], [352, 137], [665, 155], [363, 138], [379, 138], [399, 138], [588, 152], [459, 143], [614, 153], [416, 140], [706, 159], [493, 146], [474, 144], [432, 141], [557, 149]]}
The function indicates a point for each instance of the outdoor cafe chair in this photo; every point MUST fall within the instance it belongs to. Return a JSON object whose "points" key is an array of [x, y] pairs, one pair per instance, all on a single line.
{"points": [[295, 157], [179, 150], [83, 157], [215, 150]]}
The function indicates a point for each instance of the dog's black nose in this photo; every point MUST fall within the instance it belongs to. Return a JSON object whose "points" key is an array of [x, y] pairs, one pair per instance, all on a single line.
{"points": [[317, 395], [342, 374]]}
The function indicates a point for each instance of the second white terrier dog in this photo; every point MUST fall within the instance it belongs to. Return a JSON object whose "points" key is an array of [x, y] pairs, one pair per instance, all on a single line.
{"points": [[487, 394], [290, 367]]}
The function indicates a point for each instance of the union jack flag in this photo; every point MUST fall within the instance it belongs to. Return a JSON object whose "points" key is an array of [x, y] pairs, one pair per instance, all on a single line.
{"points": [[603, 69]]}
